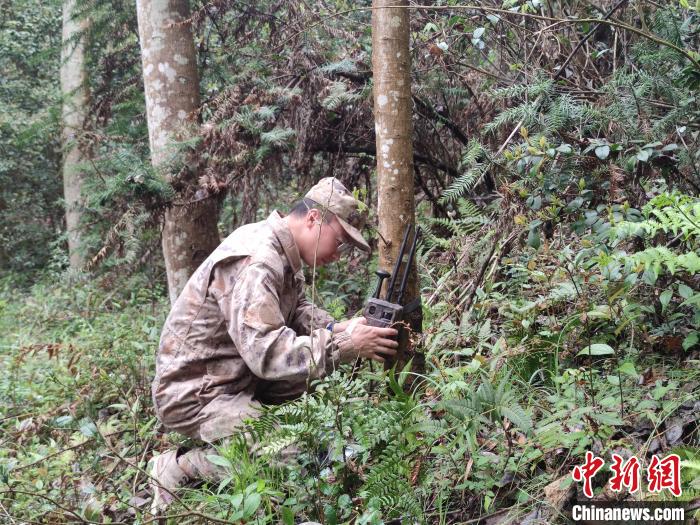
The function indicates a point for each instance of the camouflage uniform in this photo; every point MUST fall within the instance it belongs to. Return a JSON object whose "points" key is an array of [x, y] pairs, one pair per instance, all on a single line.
{"points": [[241, 332]]}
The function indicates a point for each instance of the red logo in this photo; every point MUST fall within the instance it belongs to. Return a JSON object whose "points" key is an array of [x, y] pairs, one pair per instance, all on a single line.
{"points": [[661, 473], [665, 474], [586, 472], [626, 474]]}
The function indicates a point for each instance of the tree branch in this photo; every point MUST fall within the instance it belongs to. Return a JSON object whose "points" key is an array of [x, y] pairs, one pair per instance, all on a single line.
{"points": [[371, 150], [446, 121]]}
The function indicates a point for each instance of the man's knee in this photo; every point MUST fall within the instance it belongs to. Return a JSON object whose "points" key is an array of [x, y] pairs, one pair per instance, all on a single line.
{"points": [[226, 414]]}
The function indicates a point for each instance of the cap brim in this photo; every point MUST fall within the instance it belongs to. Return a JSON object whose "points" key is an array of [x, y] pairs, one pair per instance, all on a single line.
{"points": [[355, 235]]}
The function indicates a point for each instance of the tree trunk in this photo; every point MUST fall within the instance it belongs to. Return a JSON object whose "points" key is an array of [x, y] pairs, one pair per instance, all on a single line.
{"points": [[171, 84], [391, 66], [75, 100]]}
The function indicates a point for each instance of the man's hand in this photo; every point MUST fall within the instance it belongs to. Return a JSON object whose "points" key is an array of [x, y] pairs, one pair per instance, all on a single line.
{"points": [[371, 342], [341, 326]]}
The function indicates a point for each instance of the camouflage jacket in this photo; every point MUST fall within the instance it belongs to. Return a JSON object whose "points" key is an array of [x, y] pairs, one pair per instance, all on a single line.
{"points": [[243, 323]]}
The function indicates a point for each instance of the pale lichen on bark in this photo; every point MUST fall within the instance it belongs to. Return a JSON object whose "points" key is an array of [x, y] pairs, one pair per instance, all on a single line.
{"points": [[393, 130], [171, 85]]}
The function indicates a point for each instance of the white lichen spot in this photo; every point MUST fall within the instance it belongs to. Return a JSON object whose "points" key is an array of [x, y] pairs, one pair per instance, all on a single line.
{"points": [[385, 147], [148, 69], [382, 100], [182, 114], [396, 172], [390, 141], [181, 277], [387, 165], [180, 59], [167, 70], [395, 21], [157, 84], [160, 113], [398, 55]]}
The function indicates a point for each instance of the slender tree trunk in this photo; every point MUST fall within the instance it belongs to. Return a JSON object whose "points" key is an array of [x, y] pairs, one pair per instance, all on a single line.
{"points": [[171, 84], [391, 66], [75, 100]]}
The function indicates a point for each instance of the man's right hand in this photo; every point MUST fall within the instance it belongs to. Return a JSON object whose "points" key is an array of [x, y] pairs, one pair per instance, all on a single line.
{"points": [[372, 342]]}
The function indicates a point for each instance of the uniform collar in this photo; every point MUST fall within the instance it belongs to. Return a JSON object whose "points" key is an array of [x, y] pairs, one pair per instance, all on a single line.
{"points": [[286, 239]]}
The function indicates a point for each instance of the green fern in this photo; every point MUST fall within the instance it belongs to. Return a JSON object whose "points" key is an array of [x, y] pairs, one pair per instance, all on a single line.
{"points": [[339, 95], [342, 66], [278, 137], [542, 86], [671, 214], [474, 171]]}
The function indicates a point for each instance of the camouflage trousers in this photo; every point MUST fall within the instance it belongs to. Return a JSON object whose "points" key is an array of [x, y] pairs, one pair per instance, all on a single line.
{"points": [[218, 419]]}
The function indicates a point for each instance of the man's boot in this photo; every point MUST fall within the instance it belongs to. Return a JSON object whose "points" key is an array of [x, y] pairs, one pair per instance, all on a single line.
{"points": [[166, 477], [174, 469]]}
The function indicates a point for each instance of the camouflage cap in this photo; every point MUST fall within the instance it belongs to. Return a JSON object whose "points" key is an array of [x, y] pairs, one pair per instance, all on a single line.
{"points": [[332, 195]]}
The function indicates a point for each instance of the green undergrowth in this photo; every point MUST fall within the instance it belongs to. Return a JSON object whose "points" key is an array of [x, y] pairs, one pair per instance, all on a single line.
{"points": [[76, 421]]}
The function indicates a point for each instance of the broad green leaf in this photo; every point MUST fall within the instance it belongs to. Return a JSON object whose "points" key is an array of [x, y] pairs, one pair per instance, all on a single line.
{"points": [[220, 461], [690, 340], [533, 238], [251, 504], [287, 516], [88, 429], [644, 155], [602, 152], [601, 311], [665, 299], [597, 349], [236, 500], [628, 368], [685, 291]]}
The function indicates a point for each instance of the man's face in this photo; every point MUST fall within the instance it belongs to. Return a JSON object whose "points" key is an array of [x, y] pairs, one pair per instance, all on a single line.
{"points": [[323, 240]]}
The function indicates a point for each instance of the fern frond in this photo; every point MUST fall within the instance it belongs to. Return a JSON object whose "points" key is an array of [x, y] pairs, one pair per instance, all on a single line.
{"points": [[339, 95], [344, 66], [278, 137]]}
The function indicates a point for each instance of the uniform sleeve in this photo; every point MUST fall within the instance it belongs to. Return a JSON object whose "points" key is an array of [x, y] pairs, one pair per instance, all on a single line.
{"points": [[303, 319], [270, 349]]}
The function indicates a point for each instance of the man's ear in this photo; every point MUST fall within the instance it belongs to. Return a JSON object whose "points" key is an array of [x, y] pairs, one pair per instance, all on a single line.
{"points": [[313, 217]]}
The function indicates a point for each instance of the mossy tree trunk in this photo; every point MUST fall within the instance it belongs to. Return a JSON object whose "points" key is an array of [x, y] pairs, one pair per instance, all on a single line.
{"points": [[171, 84], [391, 66], [74, 92]]}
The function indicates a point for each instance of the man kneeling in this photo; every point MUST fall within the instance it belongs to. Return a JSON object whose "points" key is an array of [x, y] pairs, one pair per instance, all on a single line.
{"points": [[242, 332]]}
